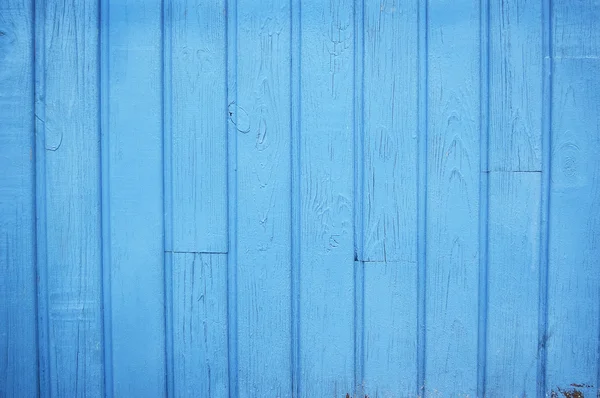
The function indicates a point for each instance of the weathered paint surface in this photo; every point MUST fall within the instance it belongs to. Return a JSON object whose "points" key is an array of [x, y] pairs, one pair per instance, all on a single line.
{"points": [[234, 198]]}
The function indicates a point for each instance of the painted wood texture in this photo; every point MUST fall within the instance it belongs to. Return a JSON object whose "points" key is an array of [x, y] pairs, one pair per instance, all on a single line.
{"points": [[134, 225], [365, 198], [453, 112], [18, 349], [263, 199], [68, 165]]}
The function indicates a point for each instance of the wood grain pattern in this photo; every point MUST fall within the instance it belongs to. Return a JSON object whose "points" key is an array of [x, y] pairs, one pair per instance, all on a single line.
{"points": [[200, 325], [390, 329], [513, 272], [389, 197], [515, 64], [326, 241], [263, 199], [573, 277], [515, 161], [573, 318], [198, 161], [135, 186], [301, 199], [452, 198], [575, 30], [18, 324], [390, 136], [67, 124]]}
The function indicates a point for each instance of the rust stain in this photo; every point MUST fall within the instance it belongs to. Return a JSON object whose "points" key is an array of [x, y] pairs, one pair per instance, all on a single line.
{"points": [[569, 393]]}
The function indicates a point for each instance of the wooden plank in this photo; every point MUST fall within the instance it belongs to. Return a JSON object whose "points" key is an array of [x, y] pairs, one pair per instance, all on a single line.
{"points": [[390, 131], [326, 189], [198, 159], [515, 93], [67, 127], [263, 199], [515, 156], [390, 329], [572, 334], [575, 30], [452, 198], [135, 186], [18, 340], [513, 272], [390, 198], [573, 277], [200, 325]]}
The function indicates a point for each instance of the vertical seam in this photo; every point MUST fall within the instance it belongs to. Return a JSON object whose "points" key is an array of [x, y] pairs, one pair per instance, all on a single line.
{"points": [[545, 193], [103, 21], [231, 87], [167, 193], [484, 105], [44, 368], [295, 112], [358, 171], [422, 197]]}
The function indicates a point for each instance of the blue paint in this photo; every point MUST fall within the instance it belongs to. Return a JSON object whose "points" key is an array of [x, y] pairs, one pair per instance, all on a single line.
{"points": [[232, 198]]}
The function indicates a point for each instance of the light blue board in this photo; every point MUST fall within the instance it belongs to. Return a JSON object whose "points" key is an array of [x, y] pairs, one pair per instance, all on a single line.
{"points": [[326, 331], [133, 163], [513, 272], [574, 29], [388, 189], [348, 199], [200, 325], [574, 253], [390, 329], [263, 199], [513, 225], [390, 131], [515, 85], [68, 148], [197, 125], [452, 198], [195, 170], [573, 330], [18, 349]]}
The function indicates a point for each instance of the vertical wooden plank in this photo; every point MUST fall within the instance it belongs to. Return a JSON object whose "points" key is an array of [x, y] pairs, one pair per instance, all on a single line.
{"points": [[390, 129], [573, 277], [515, 115], [390, 329], [514, 224], [67, 128], [232, 188], [295, 187], [422, 170], [195, 201], [326, 243], [18, 341], [572, 335], [390, 197], [199, 110], [452, 197], [515, 86], [136, 197], [263, 198], [200, 325], [574, 28]]}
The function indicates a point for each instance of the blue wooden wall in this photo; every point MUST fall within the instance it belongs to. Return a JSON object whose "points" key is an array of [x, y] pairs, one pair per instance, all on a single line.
{"points": [[243, 198]]}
